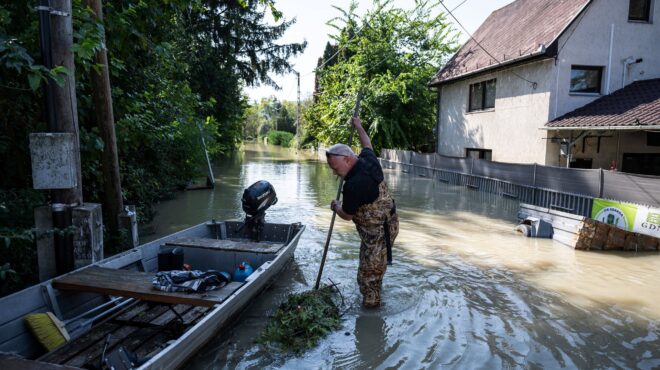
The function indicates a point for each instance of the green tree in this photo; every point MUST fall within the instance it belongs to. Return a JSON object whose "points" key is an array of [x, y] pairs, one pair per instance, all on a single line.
{"points": [[175, 66], [286, 119], [229, 45], [392, 56]]}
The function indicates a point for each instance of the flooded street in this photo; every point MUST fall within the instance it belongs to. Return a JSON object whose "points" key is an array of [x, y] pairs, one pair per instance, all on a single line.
{"points": [[464, 291]]}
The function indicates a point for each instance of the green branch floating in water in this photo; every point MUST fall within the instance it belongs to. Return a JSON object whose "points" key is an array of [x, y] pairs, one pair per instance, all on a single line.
{"points": [[303, 319]]}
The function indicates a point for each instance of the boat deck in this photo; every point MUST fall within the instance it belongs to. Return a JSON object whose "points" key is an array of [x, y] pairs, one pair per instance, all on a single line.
{"points": [[142, 329], [136, 284]]}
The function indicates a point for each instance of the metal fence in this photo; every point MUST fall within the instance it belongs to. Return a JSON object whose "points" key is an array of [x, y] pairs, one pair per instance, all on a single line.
{"points": [[566, 189]]}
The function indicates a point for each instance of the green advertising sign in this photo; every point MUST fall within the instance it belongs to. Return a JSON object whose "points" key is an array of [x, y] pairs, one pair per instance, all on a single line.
{"points": [[631, 217], [618, 214]]}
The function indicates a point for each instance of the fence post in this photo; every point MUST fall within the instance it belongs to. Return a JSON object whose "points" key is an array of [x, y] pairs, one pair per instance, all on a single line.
{"points": [[534, 185], [601, 184], [471, 165]]}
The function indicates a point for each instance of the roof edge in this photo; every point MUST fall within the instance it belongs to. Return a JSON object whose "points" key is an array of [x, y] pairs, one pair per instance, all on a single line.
{"points": [[509, 63], [553, 46], [602, 128], [577, 15]]}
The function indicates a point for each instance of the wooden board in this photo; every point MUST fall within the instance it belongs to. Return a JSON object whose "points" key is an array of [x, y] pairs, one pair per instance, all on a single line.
{"points": [[94, 337], [137, 284], [227, 245], [11, 362]]}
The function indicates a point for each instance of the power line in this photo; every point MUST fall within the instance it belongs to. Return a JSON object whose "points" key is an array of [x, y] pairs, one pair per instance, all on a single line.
{"points": [[459, 5], [534, 84]]}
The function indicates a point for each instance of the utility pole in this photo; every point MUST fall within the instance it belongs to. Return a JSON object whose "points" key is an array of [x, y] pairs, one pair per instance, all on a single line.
{"points": [[114, 203], [64, 98], [56, 42], [298, 112]]}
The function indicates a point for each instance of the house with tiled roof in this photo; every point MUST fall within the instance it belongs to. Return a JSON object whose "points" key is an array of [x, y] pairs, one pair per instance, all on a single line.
{"points": [[573, 83]]}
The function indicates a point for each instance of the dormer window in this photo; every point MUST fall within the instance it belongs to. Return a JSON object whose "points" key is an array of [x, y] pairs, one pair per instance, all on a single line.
{"points": [[639, 10]]}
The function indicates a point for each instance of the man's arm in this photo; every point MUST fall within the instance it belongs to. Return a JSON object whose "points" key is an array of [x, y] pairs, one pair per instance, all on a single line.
{"points": [[336, 206], [364, 138]]}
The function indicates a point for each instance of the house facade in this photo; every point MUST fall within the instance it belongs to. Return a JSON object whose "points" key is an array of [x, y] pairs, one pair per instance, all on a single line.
{"points": [[513, 92]]}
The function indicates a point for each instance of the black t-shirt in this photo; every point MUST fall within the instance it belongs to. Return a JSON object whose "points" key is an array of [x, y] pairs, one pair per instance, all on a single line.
{"points": [[361, 182]]}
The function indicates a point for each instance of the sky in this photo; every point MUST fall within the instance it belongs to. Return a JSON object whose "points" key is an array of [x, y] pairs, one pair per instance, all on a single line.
{"points": [[311, 17]]}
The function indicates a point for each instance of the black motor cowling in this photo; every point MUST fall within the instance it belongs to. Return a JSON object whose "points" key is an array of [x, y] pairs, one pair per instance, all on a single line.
{"points": [[256, 200]]}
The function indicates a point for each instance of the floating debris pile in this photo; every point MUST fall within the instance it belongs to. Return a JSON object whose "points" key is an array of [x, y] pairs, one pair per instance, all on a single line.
{"points": [[303, 319]]}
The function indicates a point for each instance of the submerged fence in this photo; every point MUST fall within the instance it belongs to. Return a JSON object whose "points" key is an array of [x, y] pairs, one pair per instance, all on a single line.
{"points": [[566, 189]]}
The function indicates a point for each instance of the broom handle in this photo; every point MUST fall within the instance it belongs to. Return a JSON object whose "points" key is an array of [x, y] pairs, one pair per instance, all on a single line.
{"points": [[356, 113]]}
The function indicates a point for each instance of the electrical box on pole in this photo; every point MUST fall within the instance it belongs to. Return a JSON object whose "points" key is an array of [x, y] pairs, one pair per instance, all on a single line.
{"points": [[53, 160]]}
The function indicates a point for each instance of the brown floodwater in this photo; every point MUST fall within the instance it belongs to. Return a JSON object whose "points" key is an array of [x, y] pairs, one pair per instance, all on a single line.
{"points": [[464, 291]]}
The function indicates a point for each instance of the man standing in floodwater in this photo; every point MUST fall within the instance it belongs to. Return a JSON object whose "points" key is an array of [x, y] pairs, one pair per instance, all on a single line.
{"points": [[368, 203]]}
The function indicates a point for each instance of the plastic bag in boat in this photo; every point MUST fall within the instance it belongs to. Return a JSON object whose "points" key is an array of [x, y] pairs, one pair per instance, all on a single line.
{"points": [[190, 281]]}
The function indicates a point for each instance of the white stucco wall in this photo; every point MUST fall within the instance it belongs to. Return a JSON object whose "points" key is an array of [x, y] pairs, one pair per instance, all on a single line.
{"points": [[587, 42], [512, 130]]}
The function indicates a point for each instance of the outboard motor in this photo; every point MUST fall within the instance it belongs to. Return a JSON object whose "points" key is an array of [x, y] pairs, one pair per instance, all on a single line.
{"points": [[256, 200]]}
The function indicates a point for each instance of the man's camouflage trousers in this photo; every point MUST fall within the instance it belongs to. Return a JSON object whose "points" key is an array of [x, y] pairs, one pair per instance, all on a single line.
{"points": [[378, 225]]}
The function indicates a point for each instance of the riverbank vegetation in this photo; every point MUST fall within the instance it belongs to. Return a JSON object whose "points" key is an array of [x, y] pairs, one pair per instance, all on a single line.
{"points": [[273, 119], [177, 68]]}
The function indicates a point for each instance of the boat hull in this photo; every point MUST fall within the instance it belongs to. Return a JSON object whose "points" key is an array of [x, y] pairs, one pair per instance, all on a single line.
{"points": [[175, 355], [15, 338]]}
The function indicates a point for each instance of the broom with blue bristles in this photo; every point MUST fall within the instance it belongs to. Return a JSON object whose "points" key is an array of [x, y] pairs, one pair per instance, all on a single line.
{"points": [[48, 329]]}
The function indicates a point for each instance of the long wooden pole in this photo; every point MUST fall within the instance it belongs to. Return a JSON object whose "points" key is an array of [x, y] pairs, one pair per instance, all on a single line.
{"points": [[356, 113], [114, 203]]}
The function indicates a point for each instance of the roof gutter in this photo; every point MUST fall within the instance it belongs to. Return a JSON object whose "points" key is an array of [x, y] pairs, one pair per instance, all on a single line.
{"points": [[604, 128], [532, 57]]}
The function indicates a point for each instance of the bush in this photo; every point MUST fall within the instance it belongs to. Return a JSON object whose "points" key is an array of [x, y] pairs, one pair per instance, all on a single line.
{"points": [[18, 249], [282, 138]]}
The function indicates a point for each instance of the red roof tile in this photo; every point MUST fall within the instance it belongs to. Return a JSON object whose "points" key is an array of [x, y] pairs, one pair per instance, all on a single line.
{"points": [[637, 104], [516, 32]]}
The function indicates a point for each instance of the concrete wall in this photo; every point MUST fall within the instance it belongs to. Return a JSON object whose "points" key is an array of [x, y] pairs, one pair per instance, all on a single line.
{"points": [[512, 129]]}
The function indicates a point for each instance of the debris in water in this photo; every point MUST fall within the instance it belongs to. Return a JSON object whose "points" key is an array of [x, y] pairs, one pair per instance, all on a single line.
{"points": [[303, 319]]}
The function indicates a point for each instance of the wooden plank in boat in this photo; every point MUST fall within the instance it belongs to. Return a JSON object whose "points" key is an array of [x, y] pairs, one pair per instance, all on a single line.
{"points": [[151, 347], [121, 331], [131, 336], [95, 336], [11, 362], [138, 285], [227, 245]]}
